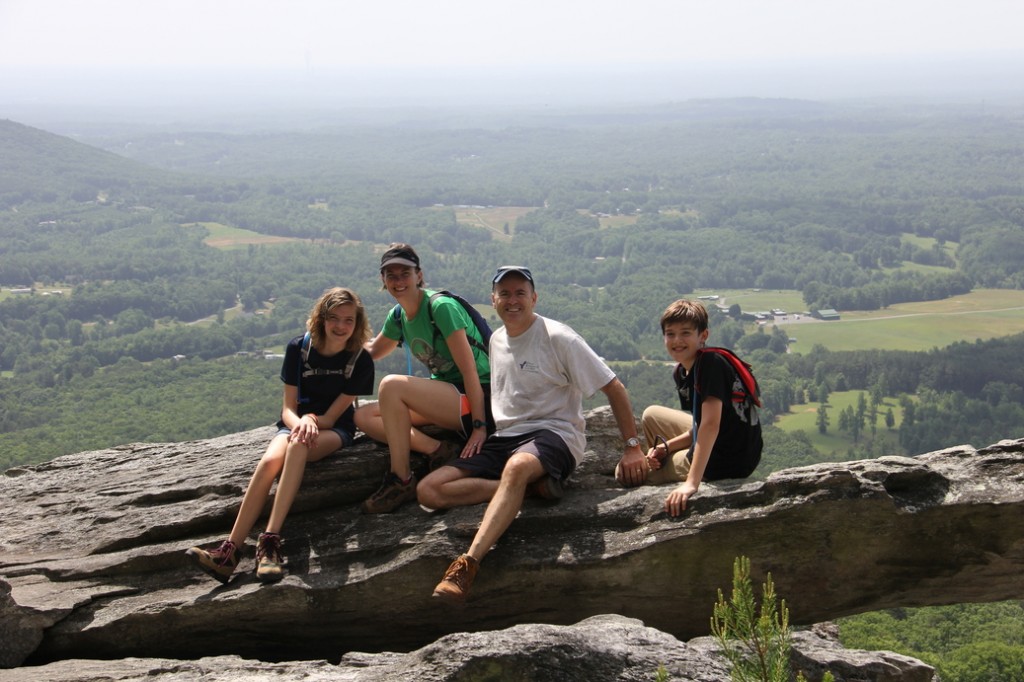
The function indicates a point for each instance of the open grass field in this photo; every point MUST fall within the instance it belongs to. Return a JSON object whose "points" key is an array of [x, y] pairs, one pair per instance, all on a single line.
{"points": [[805, 418], [225, 237], [40, 290], [613, 221], [493, 218], [755, 300], [981, 314], [928, 242]]}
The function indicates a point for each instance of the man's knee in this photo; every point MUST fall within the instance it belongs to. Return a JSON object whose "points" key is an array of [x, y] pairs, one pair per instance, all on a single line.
{"points": [[522, 467], [430, 491], [428, 494]]}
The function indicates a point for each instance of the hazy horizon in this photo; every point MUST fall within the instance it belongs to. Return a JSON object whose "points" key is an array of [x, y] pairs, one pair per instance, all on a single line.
{"points": [[190, 60]]}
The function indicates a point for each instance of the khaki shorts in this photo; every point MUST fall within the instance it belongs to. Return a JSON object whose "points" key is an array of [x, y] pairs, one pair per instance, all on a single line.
{"points": [[667, 423]]}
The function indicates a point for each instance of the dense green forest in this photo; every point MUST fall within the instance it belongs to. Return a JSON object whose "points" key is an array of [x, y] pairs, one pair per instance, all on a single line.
{"points": [[133, 324], [750, 193]]}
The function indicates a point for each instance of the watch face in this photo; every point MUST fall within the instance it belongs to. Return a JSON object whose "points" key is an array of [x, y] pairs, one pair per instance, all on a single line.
{"points": [[633, 442]]}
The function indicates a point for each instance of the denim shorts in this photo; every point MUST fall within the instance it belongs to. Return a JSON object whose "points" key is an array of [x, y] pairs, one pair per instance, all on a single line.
{"points": [[346, 438]]}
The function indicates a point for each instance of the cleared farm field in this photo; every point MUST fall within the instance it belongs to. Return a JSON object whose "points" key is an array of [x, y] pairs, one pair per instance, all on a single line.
{"points": [[981, 314], [493, 218], [226, 237]]}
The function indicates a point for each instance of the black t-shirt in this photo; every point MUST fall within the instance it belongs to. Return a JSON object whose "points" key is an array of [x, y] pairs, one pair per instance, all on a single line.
{"points": [[737, 449], [323, 380]]}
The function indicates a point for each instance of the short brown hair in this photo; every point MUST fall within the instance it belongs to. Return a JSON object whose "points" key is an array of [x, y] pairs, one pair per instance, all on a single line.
{"points": [[686, 311], [328, 301]]}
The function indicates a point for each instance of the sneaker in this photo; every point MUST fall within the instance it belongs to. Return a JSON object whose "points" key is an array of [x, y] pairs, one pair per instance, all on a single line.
{"points": [[392, 494], [269, 564], [218, 563], [446, 452], [454, 586], [546, 488]]}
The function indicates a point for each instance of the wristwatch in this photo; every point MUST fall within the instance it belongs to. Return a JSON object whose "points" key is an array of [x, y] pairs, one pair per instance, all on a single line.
{"points": [[633, 442], [477, 424]]}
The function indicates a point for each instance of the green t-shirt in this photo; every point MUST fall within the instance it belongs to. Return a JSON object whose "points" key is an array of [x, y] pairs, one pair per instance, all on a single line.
{"points": [[428, 344]]}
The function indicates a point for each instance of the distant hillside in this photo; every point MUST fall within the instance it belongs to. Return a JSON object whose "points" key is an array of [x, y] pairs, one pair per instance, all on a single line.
{"points": [[42, 167]]}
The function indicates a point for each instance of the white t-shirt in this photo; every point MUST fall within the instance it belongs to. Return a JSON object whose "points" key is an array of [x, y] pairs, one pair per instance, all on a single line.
{"points": [[539, 380]]}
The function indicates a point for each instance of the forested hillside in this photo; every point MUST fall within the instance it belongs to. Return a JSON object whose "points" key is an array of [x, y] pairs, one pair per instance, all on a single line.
{"points": [[632, 209], [145, 278]]}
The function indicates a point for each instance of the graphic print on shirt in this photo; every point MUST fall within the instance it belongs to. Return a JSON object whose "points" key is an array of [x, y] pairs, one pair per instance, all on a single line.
{"points": [[745, 410], [527, 366], [425, 353]]}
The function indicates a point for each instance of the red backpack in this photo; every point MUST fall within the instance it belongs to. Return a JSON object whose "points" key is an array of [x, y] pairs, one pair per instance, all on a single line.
{"points": [[742, 369]]}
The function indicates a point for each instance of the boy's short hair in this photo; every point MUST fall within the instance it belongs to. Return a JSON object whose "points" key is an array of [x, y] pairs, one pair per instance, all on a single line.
{"points": [[686, 311]]}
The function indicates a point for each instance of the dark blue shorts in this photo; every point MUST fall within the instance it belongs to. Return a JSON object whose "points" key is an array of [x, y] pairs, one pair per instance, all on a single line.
{"points": [[551, 450]]}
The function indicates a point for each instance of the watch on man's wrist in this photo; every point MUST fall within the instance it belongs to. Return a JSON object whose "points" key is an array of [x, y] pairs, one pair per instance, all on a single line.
{"points": [[477, 424], [633, 442]]}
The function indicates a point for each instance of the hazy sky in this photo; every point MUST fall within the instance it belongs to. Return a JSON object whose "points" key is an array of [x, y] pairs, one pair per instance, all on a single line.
{"points": [[297, 34], [359, 38]]}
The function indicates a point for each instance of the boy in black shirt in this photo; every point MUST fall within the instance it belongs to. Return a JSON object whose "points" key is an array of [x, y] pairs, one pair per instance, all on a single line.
{"points": [[724, 415]]}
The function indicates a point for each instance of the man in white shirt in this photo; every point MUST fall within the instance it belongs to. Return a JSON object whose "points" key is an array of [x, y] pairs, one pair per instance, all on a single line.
{"points": [[540, 372]]}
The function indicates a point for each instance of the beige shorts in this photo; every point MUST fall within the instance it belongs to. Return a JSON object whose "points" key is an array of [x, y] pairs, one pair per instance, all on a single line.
{"points": [[667, 423]]}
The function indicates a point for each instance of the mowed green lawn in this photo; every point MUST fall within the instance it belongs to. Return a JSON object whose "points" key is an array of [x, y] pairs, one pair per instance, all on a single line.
{"points": [[805, 418], [227, 237], [981, 314]]}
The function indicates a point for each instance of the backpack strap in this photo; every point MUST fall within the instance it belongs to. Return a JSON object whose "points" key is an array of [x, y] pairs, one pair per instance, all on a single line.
{"points": [[743, 371], [437, 332], [351, 364], [396, 314], [303, 359]]}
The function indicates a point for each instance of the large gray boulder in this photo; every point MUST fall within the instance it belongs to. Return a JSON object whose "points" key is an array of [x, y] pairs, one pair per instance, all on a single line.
{"points": [[92, 551], [602, 648]]}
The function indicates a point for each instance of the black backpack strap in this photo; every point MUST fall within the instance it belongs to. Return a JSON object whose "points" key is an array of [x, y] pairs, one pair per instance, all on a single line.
{"points": [[307, 340], [396, 315], [430, 312]]}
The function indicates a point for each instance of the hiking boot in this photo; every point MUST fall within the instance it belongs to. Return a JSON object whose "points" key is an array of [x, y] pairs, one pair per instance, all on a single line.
{"points": [[392, 494], [419, 464], [446, 452], [218, 563], [454, 586], [546, 488], [269, 564]]}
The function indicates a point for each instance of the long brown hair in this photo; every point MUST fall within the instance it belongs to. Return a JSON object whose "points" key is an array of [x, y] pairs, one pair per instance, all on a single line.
{"points": [[328, 301]]}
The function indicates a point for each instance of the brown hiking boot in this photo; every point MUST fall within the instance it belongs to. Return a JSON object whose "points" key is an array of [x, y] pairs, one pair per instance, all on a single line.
{"points": [[454, 586], [269, 564], [218, 563], [546, 487], [392, 494], [446, 452]]}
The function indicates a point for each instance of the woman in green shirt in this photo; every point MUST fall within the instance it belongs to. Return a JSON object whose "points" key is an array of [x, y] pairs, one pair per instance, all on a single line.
{"points": [[455, 397]]}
